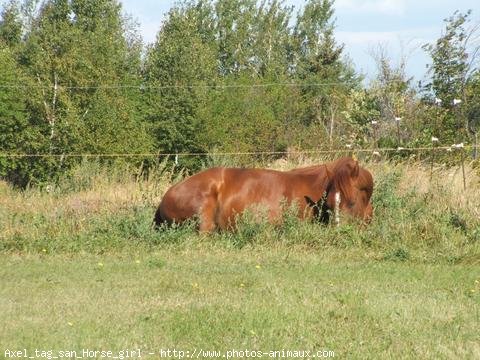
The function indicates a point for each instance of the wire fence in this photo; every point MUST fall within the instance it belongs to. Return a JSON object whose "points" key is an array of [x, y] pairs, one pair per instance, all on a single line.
{"points": [[456, 152], [373, 151], [179, 86]]}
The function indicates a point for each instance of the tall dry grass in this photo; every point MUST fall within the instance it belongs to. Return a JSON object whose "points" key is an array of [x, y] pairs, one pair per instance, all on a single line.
{"points": [[97, 209]]}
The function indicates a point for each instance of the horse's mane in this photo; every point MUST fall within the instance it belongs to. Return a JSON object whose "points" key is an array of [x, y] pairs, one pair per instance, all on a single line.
{"points": [[343, 170], [365, 181]]}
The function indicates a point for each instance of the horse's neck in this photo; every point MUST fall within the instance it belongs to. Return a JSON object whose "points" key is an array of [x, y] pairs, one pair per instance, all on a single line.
{"points": [[314, 180]]}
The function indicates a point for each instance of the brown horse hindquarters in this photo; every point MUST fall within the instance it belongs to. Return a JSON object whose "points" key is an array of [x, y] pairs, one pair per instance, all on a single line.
{"points": [[195, 196]]}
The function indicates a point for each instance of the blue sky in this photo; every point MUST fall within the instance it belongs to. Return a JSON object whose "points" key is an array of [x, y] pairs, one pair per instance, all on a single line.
{"points": [[400, 26]]}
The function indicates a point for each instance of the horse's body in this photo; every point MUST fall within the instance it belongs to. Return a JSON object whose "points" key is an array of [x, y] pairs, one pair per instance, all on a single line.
{"points": [[216, 196]]}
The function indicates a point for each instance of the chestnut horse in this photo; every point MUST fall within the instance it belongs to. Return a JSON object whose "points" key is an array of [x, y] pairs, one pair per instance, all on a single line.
{"points": [[216, 196]]}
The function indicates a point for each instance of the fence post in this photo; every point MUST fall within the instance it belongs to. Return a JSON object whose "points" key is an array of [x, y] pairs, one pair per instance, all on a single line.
{"points": [[350, 150], [460, 147], [434, 150], [475, 146], [397, 120], [463, 168]]}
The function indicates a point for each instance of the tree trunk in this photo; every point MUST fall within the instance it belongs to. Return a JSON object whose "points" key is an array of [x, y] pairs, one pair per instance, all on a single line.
{"points": [[50, 109], [332, 125]]}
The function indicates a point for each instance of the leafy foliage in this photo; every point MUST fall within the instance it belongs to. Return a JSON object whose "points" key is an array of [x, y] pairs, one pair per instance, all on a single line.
{"points": [[455, 74], [221, 76], [72, 57]]}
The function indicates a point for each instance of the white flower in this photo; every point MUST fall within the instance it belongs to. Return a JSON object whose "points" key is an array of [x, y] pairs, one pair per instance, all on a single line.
{"points": [[456, 102], [398, 118], [456, 146], [438, 101], [376, 153], [374, 122], [349, 146], [434, 139]]}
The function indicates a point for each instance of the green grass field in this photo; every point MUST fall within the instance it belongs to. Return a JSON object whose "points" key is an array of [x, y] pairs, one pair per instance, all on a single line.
{"points": [[257, 299], [81, 268]]}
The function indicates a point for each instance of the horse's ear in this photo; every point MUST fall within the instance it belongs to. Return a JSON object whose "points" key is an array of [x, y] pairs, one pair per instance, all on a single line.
{"points": [[329, 173], [356, 169], [310, 202]]}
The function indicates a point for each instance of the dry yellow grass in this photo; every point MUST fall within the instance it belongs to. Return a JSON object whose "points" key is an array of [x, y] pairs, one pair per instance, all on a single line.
{"points": [[105, 195]]}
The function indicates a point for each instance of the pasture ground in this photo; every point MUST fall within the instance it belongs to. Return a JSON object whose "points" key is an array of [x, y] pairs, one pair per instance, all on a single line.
{"points": [[81, 268], [256, 299]]}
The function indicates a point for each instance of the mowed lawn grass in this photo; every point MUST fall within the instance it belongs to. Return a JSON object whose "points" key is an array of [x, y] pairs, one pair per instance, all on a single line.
{"points": [[259, 298]]}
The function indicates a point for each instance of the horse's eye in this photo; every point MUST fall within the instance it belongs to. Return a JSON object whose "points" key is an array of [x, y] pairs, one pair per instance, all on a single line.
{"points": [[350, 204]]}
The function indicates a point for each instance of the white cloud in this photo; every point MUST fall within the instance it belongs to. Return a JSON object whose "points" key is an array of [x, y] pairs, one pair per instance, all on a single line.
{"points": [[391, 7]]}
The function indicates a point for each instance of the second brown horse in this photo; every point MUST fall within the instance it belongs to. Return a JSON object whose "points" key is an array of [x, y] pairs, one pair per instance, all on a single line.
{"points": [[217, 196]]}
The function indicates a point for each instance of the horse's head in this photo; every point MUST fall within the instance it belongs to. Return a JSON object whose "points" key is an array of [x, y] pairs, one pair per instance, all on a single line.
{"points": [[348, 192]]}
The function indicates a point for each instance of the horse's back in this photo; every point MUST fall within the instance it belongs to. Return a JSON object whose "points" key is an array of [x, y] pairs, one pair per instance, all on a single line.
{"points": [[244, 188]]}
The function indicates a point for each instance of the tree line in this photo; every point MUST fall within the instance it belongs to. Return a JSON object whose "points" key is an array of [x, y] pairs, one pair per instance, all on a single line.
{"points": [[222, 75]]}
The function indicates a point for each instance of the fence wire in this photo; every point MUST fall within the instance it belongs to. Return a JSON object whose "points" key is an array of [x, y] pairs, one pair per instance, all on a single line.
{"points": [[373, 151], [178, 86]]}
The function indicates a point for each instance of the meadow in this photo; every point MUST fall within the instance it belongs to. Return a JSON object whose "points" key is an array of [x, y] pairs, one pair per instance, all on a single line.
{"points": [[82, 268]]}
